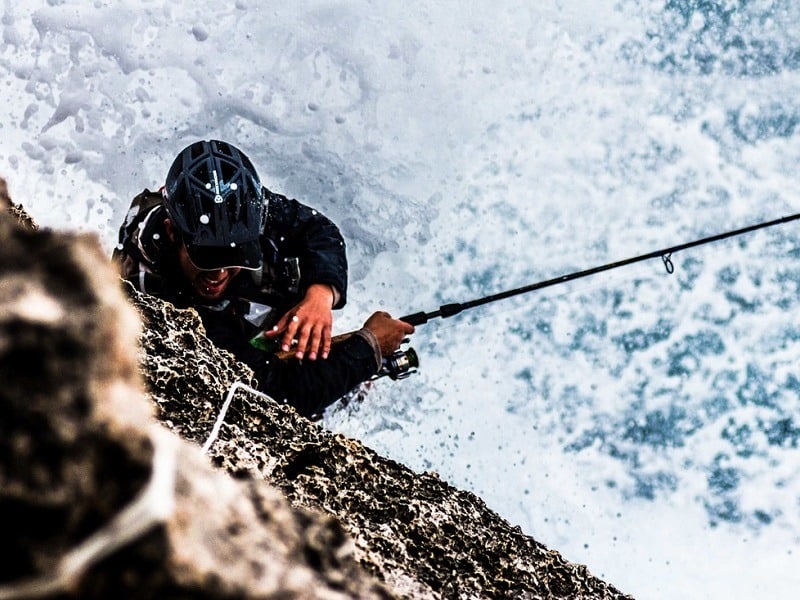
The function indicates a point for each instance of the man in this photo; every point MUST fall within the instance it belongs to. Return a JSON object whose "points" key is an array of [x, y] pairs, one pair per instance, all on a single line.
{"points": [[262, 270]]}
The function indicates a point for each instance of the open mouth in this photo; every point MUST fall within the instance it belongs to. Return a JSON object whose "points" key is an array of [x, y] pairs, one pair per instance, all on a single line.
{"points": [[211, 284]]}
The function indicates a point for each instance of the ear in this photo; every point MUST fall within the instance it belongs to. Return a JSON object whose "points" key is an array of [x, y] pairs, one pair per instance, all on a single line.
{"points": [[171, 233]]}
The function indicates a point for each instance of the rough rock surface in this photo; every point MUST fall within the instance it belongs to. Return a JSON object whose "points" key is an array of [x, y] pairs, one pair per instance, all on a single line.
{"points": [[415, 532], [100, 500], [361, 525]]}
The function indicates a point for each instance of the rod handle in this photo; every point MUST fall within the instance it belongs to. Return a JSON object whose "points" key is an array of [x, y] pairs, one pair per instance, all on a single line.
{"points": [[418, 318]]}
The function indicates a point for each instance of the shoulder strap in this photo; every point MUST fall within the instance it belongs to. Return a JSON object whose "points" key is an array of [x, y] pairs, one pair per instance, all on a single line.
{"points": [[140, 206]]}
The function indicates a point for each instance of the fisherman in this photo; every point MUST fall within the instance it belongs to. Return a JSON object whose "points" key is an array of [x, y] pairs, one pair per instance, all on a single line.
{"points": [[263, 271]]}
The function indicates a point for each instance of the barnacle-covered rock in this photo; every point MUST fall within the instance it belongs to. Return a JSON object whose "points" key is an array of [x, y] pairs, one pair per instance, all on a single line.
{"points": [[419, 535], [97, 498], [105, 490]]}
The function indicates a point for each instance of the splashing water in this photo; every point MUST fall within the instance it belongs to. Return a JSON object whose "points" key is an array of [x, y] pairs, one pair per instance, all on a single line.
{"points": [[645, 424]]}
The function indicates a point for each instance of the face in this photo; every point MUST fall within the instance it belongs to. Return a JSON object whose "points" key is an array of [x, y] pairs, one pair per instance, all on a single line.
{"points": [[208, 284]]}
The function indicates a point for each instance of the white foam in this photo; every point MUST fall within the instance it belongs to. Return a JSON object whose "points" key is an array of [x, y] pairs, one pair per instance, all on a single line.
{"points": [[466, 149]]}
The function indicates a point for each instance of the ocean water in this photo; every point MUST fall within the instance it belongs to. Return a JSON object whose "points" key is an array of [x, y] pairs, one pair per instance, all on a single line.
{"points": [[643, 423]]}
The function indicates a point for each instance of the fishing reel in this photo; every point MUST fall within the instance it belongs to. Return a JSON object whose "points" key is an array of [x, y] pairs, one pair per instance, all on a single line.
{"points": [[400, 364]]}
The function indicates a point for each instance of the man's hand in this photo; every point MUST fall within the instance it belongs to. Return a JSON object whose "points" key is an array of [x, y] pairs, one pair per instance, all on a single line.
{"points": [[310, 323], [390, 332]]}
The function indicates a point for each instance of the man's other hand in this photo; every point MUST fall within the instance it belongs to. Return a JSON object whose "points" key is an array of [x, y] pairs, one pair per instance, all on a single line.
{"points": [[310, 323], [390, 332]]}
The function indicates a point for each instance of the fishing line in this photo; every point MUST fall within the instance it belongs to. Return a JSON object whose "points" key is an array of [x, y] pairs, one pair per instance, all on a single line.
{"points": [[237, 385]]}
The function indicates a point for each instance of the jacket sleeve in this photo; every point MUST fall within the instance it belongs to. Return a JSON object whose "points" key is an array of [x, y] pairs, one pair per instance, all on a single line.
{"points": [[311, 386], [308, 386], [299, 230]]}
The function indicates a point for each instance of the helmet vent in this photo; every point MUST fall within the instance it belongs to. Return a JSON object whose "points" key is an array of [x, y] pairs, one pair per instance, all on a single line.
{"points": [[215, 199]]}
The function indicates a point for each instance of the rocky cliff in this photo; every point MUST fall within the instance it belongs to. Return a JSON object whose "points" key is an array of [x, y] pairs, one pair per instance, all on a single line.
{"points": [[137, 461]]}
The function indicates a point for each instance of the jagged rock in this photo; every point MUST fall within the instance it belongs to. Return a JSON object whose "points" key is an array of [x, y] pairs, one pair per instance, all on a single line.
{"points": [[16, 211], [97, 498], [421, 536], [355, 513]]}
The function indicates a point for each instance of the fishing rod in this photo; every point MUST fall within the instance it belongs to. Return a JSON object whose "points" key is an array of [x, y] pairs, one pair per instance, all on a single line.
{"points": [[404, 362], [449, 310]]}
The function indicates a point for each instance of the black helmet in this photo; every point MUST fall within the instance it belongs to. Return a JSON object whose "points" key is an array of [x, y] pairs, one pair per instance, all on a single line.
{"points": [[215, 199]]}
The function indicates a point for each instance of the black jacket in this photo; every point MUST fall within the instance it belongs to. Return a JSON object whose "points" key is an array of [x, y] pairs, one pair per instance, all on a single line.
{"points": [[300, 247]]}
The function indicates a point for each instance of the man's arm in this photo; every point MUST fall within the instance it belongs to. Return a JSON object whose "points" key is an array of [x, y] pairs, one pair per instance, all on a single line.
{"points": [[308, 386], [298, 230], [301, 231], [311, 386]]}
